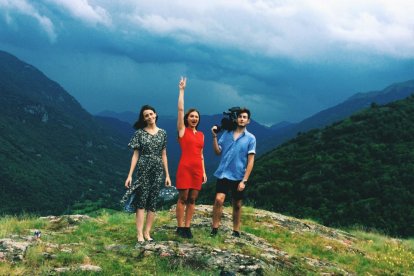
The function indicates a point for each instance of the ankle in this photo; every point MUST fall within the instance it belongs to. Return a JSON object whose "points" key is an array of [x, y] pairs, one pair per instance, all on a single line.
{"points": [[214, 231]]}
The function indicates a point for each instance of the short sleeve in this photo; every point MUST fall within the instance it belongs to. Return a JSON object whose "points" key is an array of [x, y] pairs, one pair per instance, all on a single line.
{"points": [[222, 139], [135, 141], [252, 146], [164, 142]]}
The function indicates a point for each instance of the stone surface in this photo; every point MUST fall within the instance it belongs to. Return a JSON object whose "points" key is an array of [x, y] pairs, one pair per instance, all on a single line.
{"points": [[268, 257], [62, 269], [206, 257], [13, 250], [92, 268]]}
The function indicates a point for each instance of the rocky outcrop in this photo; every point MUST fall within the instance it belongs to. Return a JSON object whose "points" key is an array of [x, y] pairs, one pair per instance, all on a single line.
{"points": [[13, 250], [263, 256], [244, 255]]}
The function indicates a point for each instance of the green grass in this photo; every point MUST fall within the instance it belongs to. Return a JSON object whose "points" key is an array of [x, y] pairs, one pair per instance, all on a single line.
{"points": [[19, 225], [369, 254]]}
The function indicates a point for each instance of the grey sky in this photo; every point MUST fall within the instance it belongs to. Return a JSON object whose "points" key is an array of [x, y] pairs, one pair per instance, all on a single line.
{"points": [[285, 60]]}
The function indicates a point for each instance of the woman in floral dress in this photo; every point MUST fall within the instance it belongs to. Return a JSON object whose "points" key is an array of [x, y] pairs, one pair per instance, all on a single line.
{"points": [[150, 158]]}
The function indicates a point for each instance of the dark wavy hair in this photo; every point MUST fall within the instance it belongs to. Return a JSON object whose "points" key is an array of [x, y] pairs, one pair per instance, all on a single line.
{"points": [[243, 110], [188, 113], [140, 123]]}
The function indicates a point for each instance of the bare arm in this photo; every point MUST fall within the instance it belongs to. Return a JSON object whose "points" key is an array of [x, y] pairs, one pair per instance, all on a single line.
{"points": [[204, 168], [165, 164], [249, 168], [134, 160], [180, 117], [215, 142]]}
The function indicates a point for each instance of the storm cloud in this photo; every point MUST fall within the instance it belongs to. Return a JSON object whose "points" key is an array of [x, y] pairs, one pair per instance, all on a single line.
{"points": [[285, 60]]}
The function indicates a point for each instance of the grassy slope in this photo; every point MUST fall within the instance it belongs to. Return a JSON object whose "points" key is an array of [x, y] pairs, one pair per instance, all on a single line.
{"points": [[369, 254]]}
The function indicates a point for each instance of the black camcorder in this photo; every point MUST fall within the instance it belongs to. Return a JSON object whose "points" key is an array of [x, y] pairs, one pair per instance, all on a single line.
{"points": [[229, 121]]}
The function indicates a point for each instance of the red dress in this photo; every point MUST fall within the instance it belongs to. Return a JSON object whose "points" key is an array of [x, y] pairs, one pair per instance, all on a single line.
{"points": [[190, 169]]}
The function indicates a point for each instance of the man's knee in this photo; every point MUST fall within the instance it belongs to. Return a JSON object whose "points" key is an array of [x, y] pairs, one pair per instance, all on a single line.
{"points": [[219, 201]]}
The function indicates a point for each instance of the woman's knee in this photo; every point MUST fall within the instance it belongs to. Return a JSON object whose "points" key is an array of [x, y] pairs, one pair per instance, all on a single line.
{"points": [[191, 200], [192, 197], [182, 200]]}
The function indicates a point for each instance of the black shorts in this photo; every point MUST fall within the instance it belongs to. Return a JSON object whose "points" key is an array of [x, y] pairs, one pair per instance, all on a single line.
{"points": [[225, 185]]}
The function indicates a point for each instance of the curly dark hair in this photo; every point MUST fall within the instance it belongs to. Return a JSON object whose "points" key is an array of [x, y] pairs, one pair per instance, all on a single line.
{"points": [[243, 110]]}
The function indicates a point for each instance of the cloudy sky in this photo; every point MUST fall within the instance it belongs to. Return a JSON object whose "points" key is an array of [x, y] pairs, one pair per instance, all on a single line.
{"points": [[285, 60]]}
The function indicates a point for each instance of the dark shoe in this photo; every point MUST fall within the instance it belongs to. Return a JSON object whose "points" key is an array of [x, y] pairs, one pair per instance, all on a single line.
{"points": [[180, 232], [236, 234], [213, 232], [187, 233], [150, 240]]}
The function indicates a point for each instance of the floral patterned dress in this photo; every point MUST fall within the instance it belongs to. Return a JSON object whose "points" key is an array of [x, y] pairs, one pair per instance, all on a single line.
{"points": [[143, 193]]}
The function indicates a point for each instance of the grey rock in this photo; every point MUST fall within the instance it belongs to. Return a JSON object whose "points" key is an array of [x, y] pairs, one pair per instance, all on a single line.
{"points": [[13, 250], [92, 268]]}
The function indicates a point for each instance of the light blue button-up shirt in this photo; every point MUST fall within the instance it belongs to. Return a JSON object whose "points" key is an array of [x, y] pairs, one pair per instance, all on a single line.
{"points": [[234, 154]]}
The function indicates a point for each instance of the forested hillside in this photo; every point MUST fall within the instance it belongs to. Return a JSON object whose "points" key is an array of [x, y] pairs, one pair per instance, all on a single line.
{"points": [[357, 171], [52, 152]]}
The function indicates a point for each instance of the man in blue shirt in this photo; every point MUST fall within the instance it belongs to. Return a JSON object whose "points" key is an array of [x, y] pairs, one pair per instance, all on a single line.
{"points": [[237, 149]]}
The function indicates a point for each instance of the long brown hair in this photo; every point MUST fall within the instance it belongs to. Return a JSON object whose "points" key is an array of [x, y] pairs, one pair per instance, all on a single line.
{"points": [[188, 113], [140, 123]]}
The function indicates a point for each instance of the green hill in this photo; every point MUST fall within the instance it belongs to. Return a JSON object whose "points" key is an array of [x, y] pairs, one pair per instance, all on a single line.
{"points": [[359, 171], [323, 118], [52, 152], [270, 244]]}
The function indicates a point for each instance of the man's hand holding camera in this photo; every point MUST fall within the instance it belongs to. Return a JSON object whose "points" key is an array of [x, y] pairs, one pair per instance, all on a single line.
{"points": [[214, 131]]}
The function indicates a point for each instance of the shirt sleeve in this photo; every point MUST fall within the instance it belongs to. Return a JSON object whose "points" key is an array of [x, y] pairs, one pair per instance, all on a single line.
{"points": [[135, 141], [221, 140], [252, 146], [164, 143]]}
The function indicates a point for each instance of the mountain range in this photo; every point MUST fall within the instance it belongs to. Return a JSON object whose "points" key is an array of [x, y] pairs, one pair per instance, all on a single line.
{"points": [[53, 152], [339, 112]]}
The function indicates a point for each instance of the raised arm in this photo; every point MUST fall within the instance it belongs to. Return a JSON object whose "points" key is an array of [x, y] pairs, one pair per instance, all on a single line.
{"points": [[216, 147], [180, 116]]}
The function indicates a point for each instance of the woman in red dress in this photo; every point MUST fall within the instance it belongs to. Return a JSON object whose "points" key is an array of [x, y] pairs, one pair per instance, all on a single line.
{"points": [[191, 172]]}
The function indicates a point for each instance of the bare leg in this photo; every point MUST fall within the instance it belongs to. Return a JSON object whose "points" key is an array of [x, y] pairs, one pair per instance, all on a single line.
{"points": [[139, 221], [189, 211], [237, 210], [181, 204], [148, 224], [218, 209]]}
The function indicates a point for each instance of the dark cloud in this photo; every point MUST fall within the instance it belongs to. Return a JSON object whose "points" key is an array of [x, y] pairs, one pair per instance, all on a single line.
{"points": [[119, 57]]}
